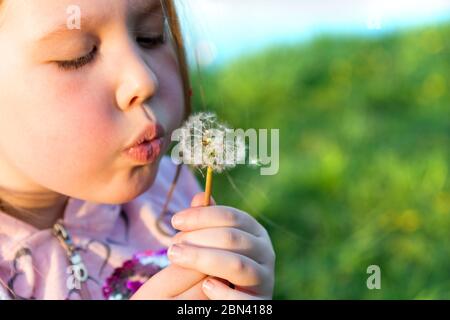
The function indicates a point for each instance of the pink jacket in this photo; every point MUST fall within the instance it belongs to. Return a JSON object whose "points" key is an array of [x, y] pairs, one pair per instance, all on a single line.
{"points": [[33, 264]]}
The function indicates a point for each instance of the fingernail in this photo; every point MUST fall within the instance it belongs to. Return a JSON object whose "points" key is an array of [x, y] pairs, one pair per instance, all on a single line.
{"points": [[177, 220], [208, 285], [175, 252]]}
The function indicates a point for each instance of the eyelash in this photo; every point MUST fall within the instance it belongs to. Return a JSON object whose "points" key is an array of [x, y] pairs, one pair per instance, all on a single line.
{"points": [[151, 42], [79, 62], [146, 43]]}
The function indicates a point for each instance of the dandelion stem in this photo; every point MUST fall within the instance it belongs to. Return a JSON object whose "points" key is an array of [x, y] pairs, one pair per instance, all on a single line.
{"points": [[208, 186]]}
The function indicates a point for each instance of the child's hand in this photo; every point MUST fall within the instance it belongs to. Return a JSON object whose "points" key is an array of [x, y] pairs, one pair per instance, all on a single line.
{"points": [[173, 282], [226, 243]]}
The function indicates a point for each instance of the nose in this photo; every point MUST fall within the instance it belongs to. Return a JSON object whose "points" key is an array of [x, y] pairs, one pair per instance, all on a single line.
{"points": [[137, 82]]}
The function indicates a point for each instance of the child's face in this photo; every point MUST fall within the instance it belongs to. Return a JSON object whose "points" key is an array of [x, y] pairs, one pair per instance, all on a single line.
{"points": [[65, 130]]}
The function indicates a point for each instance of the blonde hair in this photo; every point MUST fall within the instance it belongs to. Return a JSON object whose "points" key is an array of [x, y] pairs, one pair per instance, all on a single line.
{"points": [[176, 33]]}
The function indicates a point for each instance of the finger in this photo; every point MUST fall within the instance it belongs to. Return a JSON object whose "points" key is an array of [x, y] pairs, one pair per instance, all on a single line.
{"points": [[231, 239], [199, 200], [194, 293], [238, 269], [216, 290], [216, 216], [169, 282]]}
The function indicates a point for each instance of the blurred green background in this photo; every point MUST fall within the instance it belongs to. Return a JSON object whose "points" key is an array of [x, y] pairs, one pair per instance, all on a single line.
{"points": [[364, 160]]}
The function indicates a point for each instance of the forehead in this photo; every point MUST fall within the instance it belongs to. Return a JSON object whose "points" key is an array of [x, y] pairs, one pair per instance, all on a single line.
{"points": [[144, 5], [39, 17], [43, 5]]}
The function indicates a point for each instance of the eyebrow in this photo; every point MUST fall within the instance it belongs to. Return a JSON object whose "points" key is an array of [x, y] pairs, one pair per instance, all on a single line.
{"points": [[139, 8], [61, 29]]}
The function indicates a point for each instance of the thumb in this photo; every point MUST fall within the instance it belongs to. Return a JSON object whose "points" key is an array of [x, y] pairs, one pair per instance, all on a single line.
{"points": [[168, 283], [199, 200]]}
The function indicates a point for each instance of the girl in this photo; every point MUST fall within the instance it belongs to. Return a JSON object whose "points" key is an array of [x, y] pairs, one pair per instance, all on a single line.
{"points": [[87, 111]]}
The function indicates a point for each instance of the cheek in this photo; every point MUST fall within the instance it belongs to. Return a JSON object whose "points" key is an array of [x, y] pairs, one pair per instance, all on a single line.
{"points": [[170, 90], [176, 104], [61, 133]]}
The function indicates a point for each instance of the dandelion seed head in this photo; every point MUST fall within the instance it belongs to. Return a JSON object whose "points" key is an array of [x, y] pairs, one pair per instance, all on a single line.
{"points": [[210, 143]]}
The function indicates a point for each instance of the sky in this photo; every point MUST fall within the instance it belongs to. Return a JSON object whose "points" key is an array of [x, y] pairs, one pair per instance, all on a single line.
{"points": [[220, 30]]}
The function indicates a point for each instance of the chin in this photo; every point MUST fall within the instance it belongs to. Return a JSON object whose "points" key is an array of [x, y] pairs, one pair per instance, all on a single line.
{"points": [[137, 183]]}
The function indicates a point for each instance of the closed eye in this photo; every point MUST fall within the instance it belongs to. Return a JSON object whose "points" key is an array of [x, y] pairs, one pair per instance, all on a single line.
{"points": [[78, 62], [151, 42], [144, 42]]}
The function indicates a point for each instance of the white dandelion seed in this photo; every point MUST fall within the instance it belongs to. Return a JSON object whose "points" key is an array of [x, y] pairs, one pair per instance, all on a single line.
{"points": [[208, 144]]}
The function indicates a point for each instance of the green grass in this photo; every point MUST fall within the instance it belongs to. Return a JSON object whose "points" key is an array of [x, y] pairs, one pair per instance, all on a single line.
{"points": [[364, 161]]}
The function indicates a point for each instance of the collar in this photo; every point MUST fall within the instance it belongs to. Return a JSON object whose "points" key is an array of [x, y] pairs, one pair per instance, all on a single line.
{"points": [[80, 217]]}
